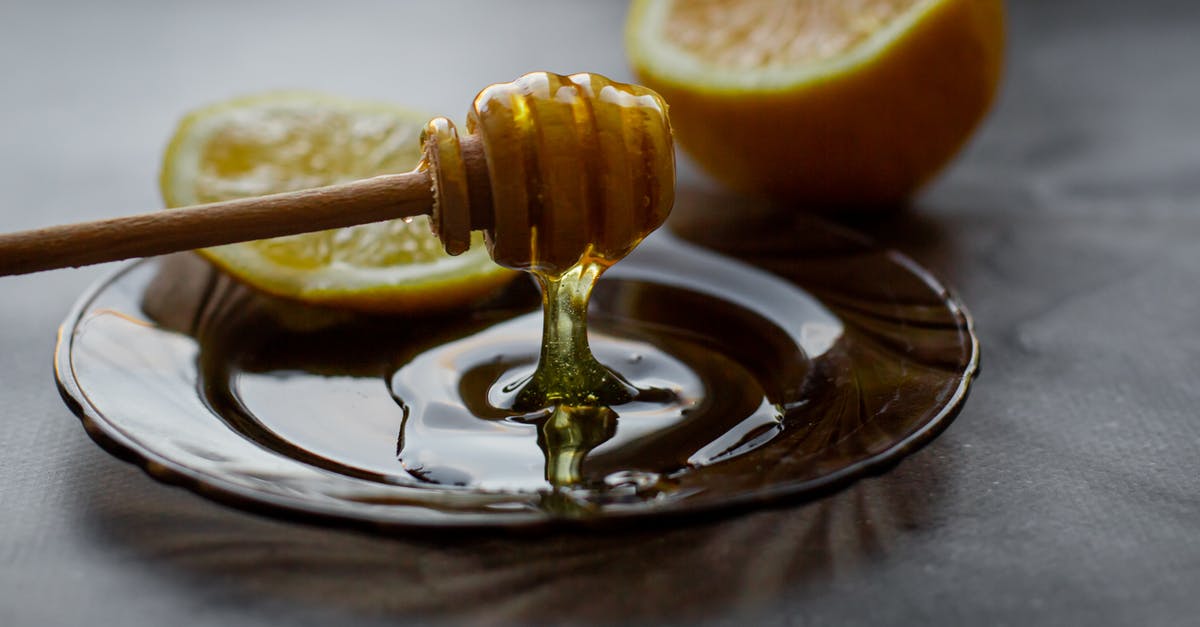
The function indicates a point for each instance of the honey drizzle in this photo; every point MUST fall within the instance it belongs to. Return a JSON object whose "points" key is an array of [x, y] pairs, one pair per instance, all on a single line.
{"points": [[579, 170]]}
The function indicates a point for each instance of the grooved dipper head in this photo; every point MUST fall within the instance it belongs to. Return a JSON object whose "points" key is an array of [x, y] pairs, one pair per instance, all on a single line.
{"points": [[556, 169]]}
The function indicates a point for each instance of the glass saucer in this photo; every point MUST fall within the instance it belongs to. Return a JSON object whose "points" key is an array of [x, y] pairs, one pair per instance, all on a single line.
{"points": [[163, 360]]}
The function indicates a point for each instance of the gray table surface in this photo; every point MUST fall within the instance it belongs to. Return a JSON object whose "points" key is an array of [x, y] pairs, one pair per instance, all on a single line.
{"points": [[1068, 491]]}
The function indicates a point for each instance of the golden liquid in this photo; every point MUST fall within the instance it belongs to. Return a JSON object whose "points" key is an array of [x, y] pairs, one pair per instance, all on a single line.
{"points": [[580, 169], [448, 416]]}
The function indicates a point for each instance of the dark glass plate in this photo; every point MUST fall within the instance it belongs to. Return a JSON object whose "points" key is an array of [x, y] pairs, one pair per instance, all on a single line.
{"points": [[867, 356]]}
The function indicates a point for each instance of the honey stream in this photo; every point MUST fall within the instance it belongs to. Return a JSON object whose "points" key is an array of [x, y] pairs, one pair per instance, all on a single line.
{"points": [[580, 169]]}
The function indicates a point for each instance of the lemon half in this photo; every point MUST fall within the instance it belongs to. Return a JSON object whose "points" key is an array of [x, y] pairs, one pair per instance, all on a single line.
{"points": [[283, 141], [821, 102]]}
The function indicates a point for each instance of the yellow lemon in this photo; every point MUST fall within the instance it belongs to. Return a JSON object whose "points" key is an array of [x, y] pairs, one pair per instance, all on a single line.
{"points": [[821, 102], [283, 141]]}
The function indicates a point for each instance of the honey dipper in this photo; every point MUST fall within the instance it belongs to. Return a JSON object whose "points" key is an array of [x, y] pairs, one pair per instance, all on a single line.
{"points": [[554, 168]]}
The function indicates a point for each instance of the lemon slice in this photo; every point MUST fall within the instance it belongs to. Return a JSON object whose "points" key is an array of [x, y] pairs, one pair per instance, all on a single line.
{"points": [[821, 102], [283, 141]]}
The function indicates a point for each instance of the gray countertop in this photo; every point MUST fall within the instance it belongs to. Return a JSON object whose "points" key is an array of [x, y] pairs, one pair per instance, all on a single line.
{"points": [[1067, 492]]}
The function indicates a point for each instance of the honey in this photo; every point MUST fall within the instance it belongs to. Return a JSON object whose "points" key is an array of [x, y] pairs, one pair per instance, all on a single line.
{"points": [[579, 169]]}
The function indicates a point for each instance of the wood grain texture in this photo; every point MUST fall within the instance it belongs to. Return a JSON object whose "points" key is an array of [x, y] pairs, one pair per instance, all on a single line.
{"points": [[375, 199]]}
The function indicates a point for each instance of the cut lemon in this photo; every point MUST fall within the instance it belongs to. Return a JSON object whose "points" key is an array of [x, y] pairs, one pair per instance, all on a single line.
{"points": [[823, 102], [284, 141]]}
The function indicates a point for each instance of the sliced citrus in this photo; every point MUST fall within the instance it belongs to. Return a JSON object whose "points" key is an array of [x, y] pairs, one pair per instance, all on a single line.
{"points": [[283, 141], [826, 102]]}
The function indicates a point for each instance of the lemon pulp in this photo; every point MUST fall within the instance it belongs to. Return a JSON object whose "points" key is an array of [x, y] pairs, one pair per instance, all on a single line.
{"points": [[742, 34]]}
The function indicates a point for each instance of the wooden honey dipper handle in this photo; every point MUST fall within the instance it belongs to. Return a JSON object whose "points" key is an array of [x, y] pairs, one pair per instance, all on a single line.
{"points": [[554, 168], [70, 245]]}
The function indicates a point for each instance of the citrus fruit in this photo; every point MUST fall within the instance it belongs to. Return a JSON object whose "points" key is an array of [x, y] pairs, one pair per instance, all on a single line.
{"points": [[821, 102], [284, 141]]}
